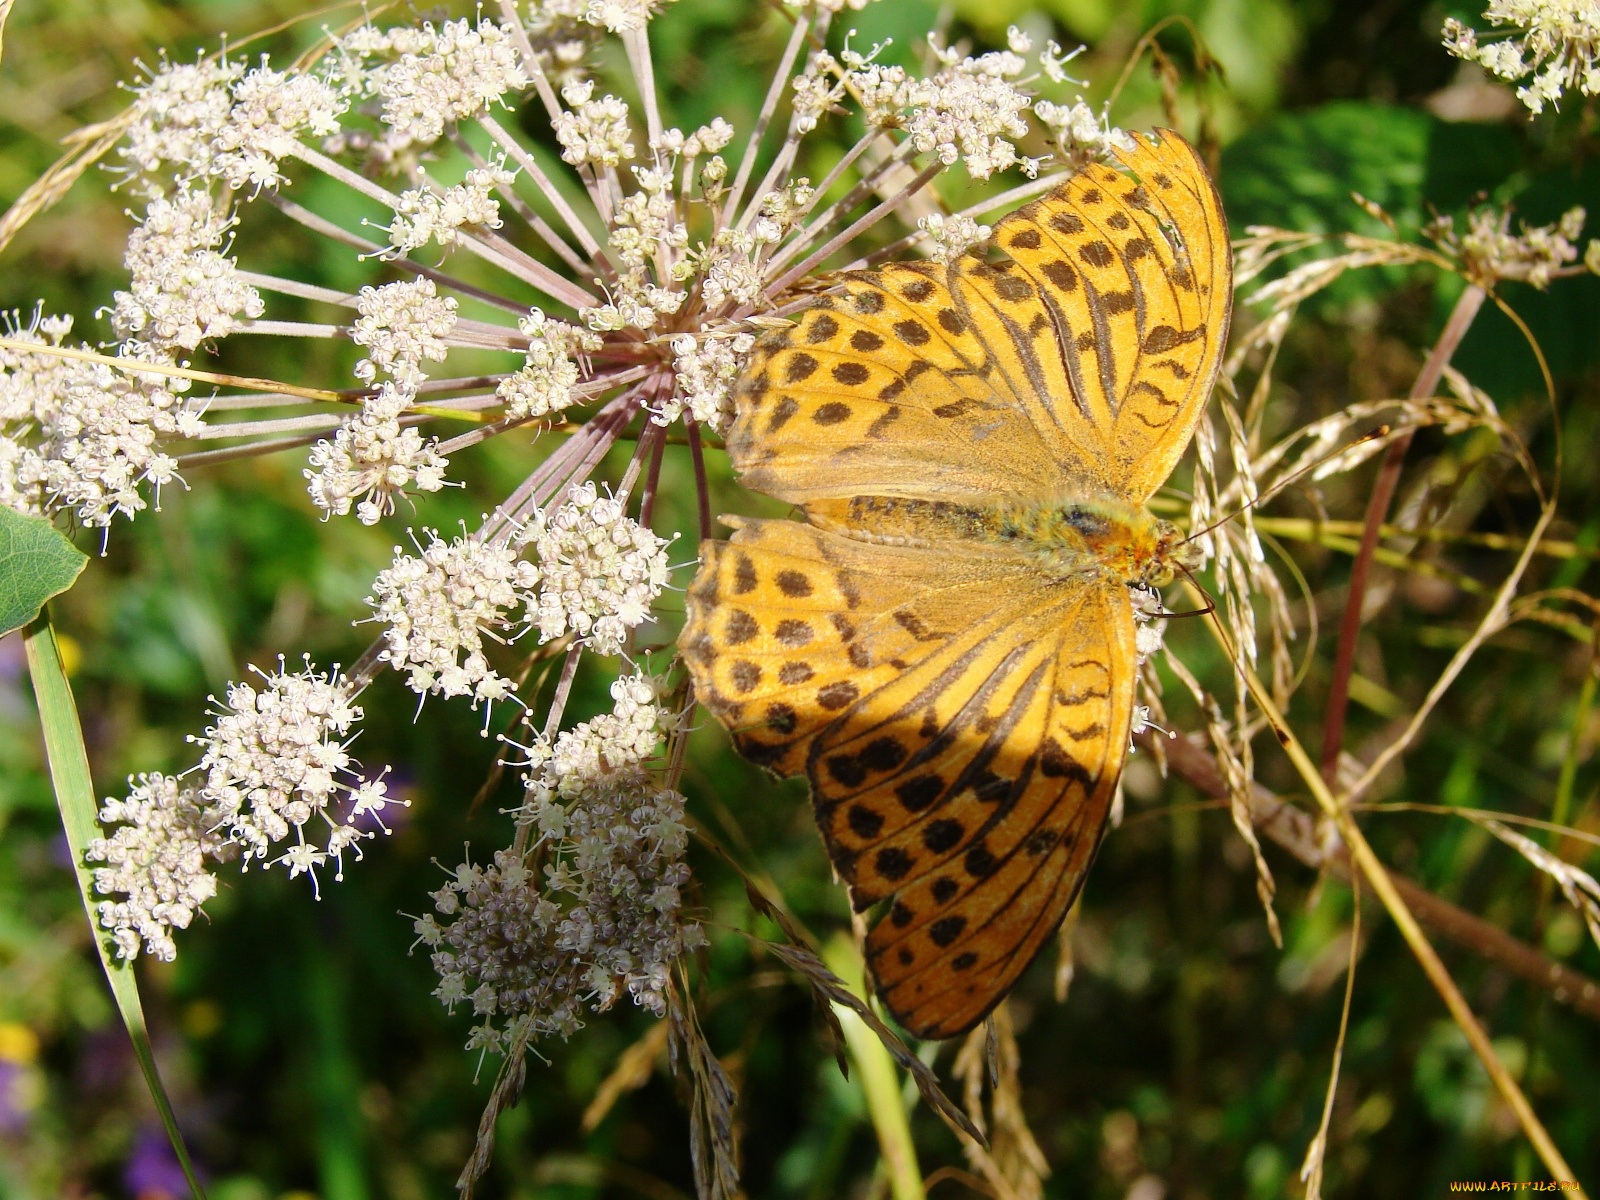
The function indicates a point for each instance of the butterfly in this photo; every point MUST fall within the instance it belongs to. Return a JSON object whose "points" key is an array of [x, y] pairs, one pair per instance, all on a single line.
{"points": [[946, 646]]}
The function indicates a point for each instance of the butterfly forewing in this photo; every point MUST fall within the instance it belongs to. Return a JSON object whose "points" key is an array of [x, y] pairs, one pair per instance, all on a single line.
{"points": [[1136, 276], [883, 389]]}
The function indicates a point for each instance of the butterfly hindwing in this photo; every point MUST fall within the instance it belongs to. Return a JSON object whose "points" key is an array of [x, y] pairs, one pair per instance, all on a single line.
{"points": [[961, 722]]}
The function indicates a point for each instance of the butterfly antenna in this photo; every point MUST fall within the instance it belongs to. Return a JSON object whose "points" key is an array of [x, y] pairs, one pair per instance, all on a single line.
{"points": [[1380, 431]]}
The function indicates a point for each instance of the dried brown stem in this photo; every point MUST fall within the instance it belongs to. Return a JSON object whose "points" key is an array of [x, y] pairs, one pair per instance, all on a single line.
{"points": [[1295, 830], [1383, 490]]}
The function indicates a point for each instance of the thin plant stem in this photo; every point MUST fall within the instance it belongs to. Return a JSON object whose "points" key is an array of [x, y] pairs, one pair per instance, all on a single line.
{"points": [[880, 1082], [74, 788], [293, 287], [355, 241], [536, 173], [1493, 621], [702, 486], [1461, 317], [1378, 876], [652, 480], [780, 80], [523, 209], [808, 235], [1570, 761], [1297, 832], [1316, 1153], [849, 233], [141, 367], [636, 43], [1015, 195]]}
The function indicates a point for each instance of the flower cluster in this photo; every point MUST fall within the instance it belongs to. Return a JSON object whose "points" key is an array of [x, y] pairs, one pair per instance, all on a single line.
{"points": [[1490, 252], [82, 437], [433, 214], [706, 370], [279, 756], [951, 237], [550, 374], [276, 758], [1557, 42], [971, 110], [586, 754], [373, 458], [1080, 136], [181, 289], [599, 570], [155, 859], [605, 919], [217, 120], [425, 77], [440, 605], [401, 324]]}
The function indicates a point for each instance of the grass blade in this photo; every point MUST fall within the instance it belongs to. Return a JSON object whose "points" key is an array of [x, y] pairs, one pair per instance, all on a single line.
{"points": [[69, 772]]}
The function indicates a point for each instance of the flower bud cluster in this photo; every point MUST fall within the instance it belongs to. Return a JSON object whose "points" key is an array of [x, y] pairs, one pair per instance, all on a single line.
{"points": [[181, 290], [606, 919], [156, 860], [372, 459], [401, 324], [431, 214], [439, 607], [1557, 42], [545, 384], [1490, 252], [593, 133], [600, 570], [83, 437], [707, 368]]}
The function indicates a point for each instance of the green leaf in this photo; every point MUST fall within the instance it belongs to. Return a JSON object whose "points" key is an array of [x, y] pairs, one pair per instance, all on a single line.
{"points": [[36, 563], [69, 772]]}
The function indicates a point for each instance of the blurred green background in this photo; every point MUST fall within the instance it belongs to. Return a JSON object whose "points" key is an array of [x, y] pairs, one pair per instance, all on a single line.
{"points": [[304, 1051]]}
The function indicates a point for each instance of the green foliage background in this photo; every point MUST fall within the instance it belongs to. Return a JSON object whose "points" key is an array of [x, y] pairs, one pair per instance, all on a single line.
{"points": [[299, 1038]]}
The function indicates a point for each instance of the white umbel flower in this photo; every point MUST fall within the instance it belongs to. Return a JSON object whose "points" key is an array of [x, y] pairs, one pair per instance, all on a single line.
{"points": [[600, 570], [156, 861], [372, 459], [181, 290], [1081, 136], [272, 111], [594, 132], [706, 371], [546, 382], [177, 116], [439, 607], [438, 74], [429, 214], [951, 237], [971, 111], [277, 757], [84, 437], [401, 324], [1557, 42]]}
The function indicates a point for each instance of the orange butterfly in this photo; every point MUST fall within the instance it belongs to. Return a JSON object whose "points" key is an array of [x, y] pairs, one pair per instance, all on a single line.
{"points": [[946, 648]]}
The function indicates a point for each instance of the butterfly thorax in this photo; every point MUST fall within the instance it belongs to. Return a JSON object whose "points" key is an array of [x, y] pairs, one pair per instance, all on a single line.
{"points": [[1067, 537]]}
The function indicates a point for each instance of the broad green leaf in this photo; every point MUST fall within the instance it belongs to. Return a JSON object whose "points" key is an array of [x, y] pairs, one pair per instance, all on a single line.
{"points": [[36, 563], [69, 772]]}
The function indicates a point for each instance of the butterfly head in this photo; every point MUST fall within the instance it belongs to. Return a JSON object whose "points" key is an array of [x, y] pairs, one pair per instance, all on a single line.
{"points": [[1172, 551]]}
